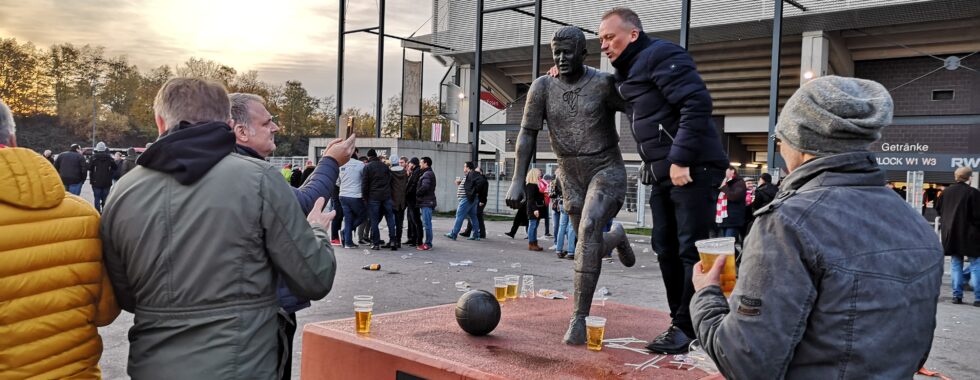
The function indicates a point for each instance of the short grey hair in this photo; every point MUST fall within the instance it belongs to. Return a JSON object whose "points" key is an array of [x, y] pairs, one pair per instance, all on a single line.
{"points": [[191, 100], [239, 108], [7, 127], [625, 14]]}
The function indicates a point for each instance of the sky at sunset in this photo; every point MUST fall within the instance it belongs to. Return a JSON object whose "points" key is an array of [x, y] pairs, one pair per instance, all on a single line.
{"points": [[287, 40]]}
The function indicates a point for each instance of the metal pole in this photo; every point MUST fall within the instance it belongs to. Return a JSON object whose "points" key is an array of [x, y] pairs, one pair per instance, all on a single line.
{"points": [[381, 64], [421, 83], [777, 39], [536, 61], [685, 23], [401, 108], [475, 83], [95, 114], [340, 64]]}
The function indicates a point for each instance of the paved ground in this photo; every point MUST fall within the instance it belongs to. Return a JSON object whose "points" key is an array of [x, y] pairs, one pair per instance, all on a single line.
{"points": [[411, 279]]}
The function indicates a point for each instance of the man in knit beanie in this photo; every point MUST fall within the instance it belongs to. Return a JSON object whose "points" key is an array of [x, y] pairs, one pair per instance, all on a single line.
{"points": [[839, 278]]}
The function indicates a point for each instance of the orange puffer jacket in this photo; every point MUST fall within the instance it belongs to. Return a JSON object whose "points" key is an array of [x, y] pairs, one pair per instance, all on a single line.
{"points": [[53, 288]]}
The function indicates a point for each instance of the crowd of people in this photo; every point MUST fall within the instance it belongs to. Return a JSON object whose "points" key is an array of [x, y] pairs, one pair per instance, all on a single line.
{"points": [[214, 250]]}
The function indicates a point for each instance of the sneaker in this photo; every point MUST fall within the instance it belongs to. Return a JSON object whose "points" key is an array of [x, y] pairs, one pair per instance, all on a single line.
{"points": [[474, 238], [464, 234], [957, 301], [375, 247], [450, 235], [976, 303], [570, 257], [671, 342], [552, 247], [510, 234], [335, 242], [350, 246], [424, 247], [562, 254]]}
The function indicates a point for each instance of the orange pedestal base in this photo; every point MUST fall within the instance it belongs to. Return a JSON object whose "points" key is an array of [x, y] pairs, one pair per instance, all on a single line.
{"points": [[427, 343]]}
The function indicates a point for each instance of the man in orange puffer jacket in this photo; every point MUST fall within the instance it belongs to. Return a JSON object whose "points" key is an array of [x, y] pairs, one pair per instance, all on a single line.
{"points": [[54, 291]]}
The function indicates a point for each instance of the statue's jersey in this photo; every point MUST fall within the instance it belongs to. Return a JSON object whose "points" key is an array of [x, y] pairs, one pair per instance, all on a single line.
{"points": [[581, 117]]}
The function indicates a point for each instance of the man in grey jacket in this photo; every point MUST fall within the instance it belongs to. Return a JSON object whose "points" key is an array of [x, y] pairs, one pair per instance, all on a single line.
{"points": [[194, 238], [839, 277], [255, 132]]}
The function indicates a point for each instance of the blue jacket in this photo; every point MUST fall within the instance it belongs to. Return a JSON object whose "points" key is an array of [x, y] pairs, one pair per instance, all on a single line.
{"points": [[319, 184], [669, 106], [827, 290]]}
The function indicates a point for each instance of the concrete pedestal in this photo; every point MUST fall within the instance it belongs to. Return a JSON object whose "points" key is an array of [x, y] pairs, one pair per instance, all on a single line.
{"points": [[427, 343]]}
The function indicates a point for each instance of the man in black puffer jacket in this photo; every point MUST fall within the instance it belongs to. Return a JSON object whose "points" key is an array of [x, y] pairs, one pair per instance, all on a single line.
{"points": [[670, 109], [377, 193], [102, 170]]}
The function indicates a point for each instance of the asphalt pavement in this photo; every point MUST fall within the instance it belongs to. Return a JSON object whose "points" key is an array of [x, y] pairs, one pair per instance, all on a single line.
{"points": [[411, 279]]}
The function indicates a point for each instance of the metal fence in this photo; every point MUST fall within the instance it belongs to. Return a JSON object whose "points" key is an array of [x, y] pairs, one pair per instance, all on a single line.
{"points": [[635, 211], [281, 161]]}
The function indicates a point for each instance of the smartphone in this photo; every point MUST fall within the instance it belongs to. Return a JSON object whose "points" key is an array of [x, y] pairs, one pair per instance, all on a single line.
{"points": [[329, 207], [350, 127]]}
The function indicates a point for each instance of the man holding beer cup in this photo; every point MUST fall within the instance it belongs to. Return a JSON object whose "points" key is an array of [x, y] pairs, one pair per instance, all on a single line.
{"points": [[839, 278]]}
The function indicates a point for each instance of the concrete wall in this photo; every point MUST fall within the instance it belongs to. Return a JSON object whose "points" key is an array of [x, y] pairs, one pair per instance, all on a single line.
{"points": [[447, 160]]}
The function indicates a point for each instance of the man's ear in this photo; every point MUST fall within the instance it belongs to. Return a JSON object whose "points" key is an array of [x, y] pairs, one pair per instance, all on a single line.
{"points": [[634, 35], [161, 125], [241, 134]]}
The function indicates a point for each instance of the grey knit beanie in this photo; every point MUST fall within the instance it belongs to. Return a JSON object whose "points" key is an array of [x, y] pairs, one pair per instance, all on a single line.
{"points": [[832, 114]]}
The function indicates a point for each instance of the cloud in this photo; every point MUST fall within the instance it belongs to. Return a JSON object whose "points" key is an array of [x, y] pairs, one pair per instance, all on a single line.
{"points": [[294, 40]]}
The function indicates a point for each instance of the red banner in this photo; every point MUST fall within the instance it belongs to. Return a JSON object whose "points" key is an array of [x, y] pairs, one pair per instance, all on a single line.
{"points": [[492, 100]]}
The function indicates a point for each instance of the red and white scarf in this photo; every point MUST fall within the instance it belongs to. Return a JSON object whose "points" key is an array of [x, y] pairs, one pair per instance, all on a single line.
{"points": [[721, 208]]}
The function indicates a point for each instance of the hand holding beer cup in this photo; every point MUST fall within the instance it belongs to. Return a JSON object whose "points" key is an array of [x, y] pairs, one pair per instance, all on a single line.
{"points": [[719, 256], [703, 280]]}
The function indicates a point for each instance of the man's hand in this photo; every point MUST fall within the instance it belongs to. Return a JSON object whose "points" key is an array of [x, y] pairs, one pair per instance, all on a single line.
{"points": [[536, 214], [515, 195], [680, 175], [317, 217], [553, 72], [341, 150], [713, 277]]}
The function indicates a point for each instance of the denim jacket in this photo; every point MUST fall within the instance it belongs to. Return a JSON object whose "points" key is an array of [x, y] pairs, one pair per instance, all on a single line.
{"points": [[839, 279]]}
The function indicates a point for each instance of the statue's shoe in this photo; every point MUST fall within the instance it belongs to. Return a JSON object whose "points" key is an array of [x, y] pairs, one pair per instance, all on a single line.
{"points": [[575, 335], [624, 250]]}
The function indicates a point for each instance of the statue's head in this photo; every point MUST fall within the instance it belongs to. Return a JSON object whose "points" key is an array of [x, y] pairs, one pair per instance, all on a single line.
{"points": [[568, 50]]}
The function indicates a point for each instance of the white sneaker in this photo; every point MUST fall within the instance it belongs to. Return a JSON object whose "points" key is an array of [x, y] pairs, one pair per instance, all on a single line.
{"points": [[553, 247]]}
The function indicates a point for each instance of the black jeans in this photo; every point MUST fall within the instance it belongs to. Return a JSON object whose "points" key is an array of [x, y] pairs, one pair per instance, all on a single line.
{"points": [[399, 220], [415, 221], [681, 216], [287, 325], [483, 226]]}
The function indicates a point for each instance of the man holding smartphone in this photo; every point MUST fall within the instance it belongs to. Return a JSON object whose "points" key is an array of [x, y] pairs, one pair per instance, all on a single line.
{"points": [[255, 137]]}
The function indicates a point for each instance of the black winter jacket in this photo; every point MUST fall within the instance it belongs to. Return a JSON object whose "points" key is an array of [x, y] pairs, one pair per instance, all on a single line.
{"points": [[101, 170], [535, 201], [376, 181], [398, 182], [669, 107], [762, 196], [482, 188], [412, 187], [959, 226], [471, 184], [71, 167], [735, 192], [426, 191]]}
